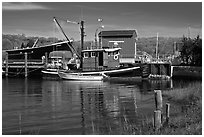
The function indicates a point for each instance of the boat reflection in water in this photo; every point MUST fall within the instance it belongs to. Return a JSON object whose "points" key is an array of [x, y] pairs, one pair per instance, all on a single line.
{"points": [[34, 106]]}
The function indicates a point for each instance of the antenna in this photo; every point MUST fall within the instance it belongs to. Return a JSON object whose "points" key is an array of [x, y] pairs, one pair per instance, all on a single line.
{"points": [[82, 13], [189, 32], [157, 46]]}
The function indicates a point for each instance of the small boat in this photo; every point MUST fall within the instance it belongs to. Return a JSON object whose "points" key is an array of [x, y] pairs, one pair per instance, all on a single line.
{"points": [[81, 77], [56, 60]]}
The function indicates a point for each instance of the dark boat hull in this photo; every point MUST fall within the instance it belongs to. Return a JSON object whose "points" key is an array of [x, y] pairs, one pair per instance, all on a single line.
{"points": [[36, 53], [120, 72]]}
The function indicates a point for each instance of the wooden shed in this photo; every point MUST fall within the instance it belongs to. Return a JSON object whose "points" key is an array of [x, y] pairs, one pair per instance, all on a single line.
{"points": [[124, 39]]}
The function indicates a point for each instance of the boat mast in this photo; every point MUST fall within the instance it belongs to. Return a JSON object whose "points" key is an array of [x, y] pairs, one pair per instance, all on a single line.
{"points": [[157, 47], [82, 41], [69, 42]]}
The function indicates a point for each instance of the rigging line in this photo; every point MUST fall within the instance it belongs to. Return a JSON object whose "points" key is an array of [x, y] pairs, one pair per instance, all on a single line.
{"points": [[32, 70], [69, 42], [53, 32], [18, 73]]}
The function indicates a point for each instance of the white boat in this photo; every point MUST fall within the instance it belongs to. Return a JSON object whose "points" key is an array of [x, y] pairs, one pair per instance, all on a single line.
{"points": [[56, 60], [80, 77]]}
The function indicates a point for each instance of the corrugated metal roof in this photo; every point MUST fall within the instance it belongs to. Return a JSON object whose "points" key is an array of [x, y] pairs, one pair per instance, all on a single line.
{"points": [[66, 54], [117, 33], [107, 50], [59, 43]]}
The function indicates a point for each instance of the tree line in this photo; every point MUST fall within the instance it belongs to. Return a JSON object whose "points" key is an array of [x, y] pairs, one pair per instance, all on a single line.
{"points": [[191, 51], [21, 41]]}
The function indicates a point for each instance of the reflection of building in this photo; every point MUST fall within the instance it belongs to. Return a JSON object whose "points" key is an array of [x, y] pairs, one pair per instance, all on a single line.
{"points": [[125, 39]]}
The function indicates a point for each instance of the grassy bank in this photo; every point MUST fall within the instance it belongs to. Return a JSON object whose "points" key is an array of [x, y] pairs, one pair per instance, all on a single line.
{"points": [[190, 72], [185, 114]]}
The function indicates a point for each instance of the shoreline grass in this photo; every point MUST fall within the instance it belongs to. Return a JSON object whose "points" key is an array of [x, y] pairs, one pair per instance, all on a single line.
{"points": [[185, 114]]}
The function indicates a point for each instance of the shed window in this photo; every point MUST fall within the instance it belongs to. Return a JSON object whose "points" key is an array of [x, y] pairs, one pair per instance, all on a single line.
{"points": [[93, 54], [110, 53], [86, 54], [116, 52]]}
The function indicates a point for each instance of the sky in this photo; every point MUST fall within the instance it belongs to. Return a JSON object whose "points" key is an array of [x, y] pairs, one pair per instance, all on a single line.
{"points": [[173, 19]]}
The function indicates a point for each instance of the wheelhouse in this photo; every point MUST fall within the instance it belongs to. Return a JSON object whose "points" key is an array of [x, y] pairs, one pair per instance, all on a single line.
{"points": [[100, 59]]}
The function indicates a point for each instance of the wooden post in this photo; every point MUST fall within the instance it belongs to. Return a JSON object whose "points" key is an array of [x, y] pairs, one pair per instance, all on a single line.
{"points": [[171, 71], [157, 119], [158, 99], [6, 64], [167, 112], [160, 69], [26, 64], [46, 59]]}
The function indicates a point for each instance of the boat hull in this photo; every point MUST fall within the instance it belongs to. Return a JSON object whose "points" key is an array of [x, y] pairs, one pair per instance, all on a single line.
{"points": [[122, 72], [50, 73], [80, 77], [36, 53]]}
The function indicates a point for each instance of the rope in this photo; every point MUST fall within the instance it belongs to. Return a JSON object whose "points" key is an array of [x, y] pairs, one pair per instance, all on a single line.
{"points": [[19, 72]]}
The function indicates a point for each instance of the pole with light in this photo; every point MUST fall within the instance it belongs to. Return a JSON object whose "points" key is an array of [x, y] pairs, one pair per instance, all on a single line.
{"points": [[101, 20], [101, 27]]}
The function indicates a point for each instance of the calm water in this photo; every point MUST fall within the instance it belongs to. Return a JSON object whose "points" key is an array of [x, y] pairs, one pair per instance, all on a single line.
{"points": [[36, 106]]}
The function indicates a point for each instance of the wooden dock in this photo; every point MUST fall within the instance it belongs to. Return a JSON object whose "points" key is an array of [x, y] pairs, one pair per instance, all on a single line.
{"points": [[26, 66], [156, 70]]}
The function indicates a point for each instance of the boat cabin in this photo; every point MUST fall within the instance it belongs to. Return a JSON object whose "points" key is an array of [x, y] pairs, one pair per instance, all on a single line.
{"points": [[100, 59]]}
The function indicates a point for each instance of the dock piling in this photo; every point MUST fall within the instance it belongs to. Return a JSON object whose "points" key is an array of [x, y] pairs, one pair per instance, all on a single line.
{"points": [[158, 112], [26, 64], [6, 64], [46, 59], [157, 119], [158, 99], [167, 112]]}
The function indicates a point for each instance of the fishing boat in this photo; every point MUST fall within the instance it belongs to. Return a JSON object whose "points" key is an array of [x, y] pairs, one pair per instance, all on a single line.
{"points": [[92, 63], [100, 62]]}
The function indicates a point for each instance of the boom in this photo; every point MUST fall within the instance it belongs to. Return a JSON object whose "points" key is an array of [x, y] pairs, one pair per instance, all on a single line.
{"points": [[69, 42]]}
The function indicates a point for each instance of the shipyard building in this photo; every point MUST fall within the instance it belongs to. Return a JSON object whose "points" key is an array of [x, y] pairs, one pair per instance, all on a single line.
{"points": [[124, 39]]}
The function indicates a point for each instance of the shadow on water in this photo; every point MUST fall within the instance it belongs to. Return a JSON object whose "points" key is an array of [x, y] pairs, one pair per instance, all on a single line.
{"points": [[36, 106]]}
